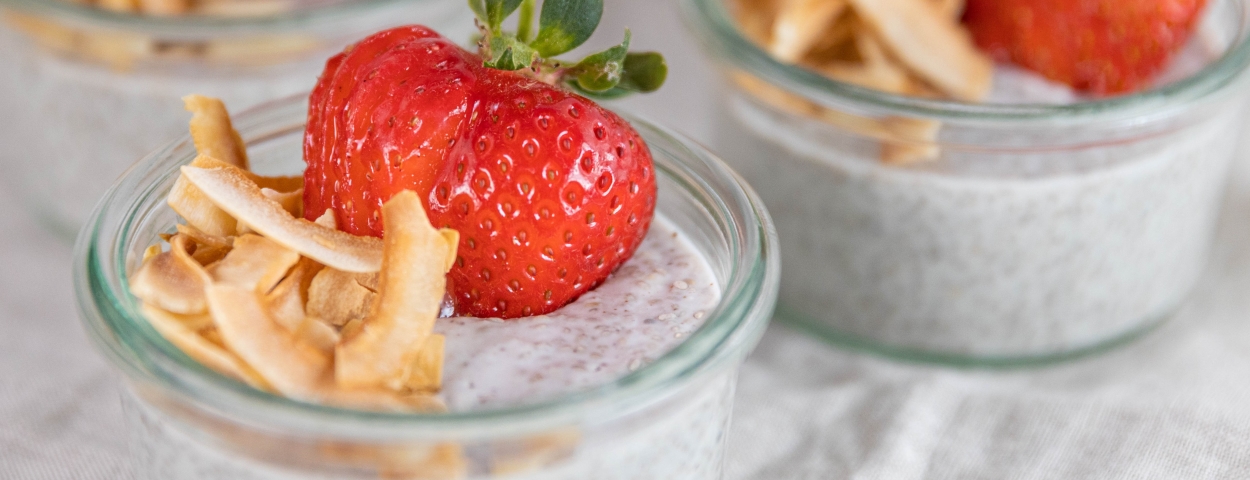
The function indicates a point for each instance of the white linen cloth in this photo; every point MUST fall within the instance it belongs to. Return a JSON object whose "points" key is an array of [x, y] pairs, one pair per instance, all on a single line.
{"points": [[1175, 404]]}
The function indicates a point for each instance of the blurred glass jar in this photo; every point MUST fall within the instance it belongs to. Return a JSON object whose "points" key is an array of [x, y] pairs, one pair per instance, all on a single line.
{"points": [[87, 91], [985, 234], [667, 420]]}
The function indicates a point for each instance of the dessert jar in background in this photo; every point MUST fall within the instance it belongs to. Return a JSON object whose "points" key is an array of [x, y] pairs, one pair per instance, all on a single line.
{"points": [[86, 92], [1036, 232], [668, 419]]}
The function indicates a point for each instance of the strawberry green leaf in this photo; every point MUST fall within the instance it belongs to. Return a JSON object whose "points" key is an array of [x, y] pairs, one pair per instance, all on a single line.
{"points": [[565, 24], [643, 72], [602, 71], [506, 53], [493, 12]]}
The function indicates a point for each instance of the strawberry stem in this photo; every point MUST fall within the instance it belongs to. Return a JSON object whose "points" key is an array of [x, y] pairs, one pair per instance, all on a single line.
{"points": [[525, 24], [562, 26]]}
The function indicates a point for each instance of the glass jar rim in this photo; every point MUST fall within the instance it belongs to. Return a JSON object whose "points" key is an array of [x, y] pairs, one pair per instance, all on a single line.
{"points": [[718, 32], [198, 26], [110, 313]]}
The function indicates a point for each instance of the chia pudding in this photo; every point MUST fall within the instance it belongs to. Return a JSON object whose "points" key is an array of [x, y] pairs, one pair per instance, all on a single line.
{"points": [[1048, 224], [633, 380], [74, 122], [646, 307], [657, 298]]}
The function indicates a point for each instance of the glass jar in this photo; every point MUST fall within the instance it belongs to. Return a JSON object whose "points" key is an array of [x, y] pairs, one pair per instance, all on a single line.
{"points": [[1035, 232], [668, 419], [86, 92]]}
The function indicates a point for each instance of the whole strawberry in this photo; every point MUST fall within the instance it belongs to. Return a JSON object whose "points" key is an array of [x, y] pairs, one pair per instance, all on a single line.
{"points": [[549, 191], [1099, 46]]}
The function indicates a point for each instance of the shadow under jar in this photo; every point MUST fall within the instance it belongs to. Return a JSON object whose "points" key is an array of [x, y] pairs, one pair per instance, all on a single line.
{"points": [[667, 419], [1036, 232], [86, 92]]}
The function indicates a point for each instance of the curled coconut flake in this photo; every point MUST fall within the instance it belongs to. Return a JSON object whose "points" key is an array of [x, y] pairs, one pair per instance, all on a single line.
{"points": [[172, 280], [212, 131], [231, 190], [380, 351], [256, 263], [293, 368]]}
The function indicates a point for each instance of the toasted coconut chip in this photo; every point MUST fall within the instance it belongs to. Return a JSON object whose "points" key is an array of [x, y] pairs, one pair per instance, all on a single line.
{"points": [[918, 88], [755, 18], [119, 5], [327, 220], [190, 203], [172, 280], [395, 460], [46, 33], [534, 453], [212, 131], [259, 50], [868, 76], [211, 334], [242, 8], [905, 152], [350, 329], [196, 323], [279, 184], [877, 70], [167, 8], [836, 43], [370, 280], [306, 270], [337, 297], [317, 334], [951, 9], [915, 138], [209, 255], [118, 49], [203, 239], [931, 44], [233, 192], [443, 462], [285, 304], [800, 24], [787, 101], [774, 95], [293, 368], [200, 349], [292, 202], [256, 262], [151, 251], [410, 297], [426, 371], [286, 301], [379, 399]]}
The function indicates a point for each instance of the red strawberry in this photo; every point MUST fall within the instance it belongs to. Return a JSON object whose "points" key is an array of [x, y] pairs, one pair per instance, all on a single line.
{"points": [[549, 191], [1100, 46], [381, 119]]}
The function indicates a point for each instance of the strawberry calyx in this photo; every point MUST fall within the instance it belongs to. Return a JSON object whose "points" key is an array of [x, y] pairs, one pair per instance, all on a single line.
{"points": [[562, 26]]}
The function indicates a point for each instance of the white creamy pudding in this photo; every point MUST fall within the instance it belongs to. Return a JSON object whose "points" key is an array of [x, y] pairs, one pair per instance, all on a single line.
{"points": [[1020, 240], [1049, 259], [648, 306]]}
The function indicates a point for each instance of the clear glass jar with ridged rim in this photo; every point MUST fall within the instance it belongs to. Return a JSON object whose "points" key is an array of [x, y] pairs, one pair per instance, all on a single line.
{"points": [[667, 419], [87, 91], [1029, 232]]}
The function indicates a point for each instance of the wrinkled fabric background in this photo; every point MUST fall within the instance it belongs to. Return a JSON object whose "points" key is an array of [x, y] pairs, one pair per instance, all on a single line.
{"points": [[1175, 404]]}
